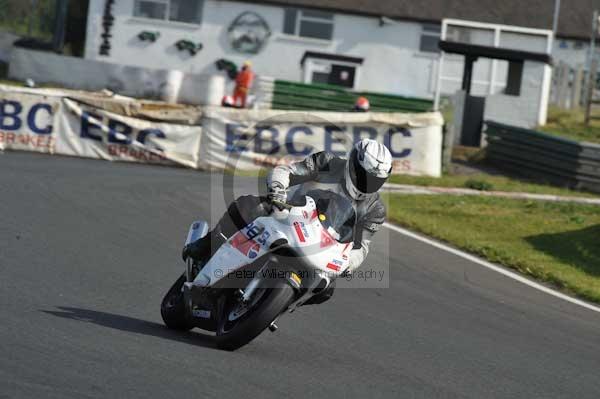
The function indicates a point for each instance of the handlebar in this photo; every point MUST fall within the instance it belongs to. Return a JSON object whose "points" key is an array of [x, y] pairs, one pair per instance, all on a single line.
{"points": [[281, 205]]}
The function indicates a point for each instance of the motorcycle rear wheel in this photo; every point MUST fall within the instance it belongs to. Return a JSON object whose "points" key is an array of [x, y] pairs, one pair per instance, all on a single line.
{"points": [[258, 318]]}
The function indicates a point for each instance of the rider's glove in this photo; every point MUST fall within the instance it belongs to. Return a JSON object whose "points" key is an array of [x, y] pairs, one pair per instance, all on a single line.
{"points": [[277, 193]]}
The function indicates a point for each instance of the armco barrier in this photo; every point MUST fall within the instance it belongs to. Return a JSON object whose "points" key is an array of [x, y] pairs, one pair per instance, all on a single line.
{"points": [[543, 156]]}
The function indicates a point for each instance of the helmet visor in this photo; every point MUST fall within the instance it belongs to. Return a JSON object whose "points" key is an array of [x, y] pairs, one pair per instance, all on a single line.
{"points": [[361, 179]]}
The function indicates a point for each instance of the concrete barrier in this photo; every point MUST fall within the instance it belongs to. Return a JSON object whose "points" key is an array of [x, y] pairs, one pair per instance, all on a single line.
{"points": [[77, 73]]}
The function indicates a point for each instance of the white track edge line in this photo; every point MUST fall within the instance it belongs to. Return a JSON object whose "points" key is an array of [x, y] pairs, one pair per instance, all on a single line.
{"points": [[491, 266]]}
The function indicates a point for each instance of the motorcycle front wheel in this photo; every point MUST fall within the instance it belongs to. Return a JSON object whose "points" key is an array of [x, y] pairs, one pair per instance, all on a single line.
{"points": [[232, 335], [172, 308]]}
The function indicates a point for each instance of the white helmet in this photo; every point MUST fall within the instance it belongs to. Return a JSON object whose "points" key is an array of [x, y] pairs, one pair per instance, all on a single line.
{"points": [[368, 167]]}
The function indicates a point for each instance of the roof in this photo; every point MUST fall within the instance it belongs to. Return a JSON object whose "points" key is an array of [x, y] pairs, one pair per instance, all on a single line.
{"points": [[574, 22], [332, 57], [497, 53]]}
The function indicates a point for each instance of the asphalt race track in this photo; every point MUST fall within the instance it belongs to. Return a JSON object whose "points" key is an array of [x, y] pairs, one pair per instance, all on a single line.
{"points": [[88, 248]]}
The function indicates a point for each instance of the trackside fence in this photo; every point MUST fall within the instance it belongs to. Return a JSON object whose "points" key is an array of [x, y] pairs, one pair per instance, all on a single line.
{"points": [[323, 97], [543, 156]]}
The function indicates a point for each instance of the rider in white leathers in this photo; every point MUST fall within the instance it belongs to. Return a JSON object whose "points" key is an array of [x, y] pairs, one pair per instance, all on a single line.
{"points": [[358, 177]]}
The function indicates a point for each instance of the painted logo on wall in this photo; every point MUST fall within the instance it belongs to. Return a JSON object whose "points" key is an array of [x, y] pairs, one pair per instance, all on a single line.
{"points": [[248, 33]]}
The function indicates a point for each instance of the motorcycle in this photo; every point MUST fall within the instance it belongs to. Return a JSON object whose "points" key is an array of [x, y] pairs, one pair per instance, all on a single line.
{"points": [[273, 265]]}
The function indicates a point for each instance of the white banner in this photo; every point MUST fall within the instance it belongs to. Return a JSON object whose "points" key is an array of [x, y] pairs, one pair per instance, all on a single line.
{"points": [[27, 121], [94, 133], [251, 140], [247, 140]]}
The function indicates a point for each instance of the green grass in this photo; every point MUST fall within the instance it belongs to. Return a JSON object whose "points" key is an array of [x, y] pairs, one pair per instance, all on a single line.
{"points": [[570, 124], [557, 243], [10, 82], [495, 183]]}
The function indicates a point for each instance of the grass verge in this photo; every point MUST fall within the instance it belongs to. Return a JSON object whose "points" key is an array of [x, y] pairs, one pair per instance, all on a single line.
{"points": [[558, 243], [570, 124], [489, 182]]}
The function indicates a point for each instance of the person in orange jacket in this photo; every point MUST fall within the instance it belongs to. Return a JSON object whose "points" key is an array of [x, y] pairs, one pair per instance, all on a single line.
{"points": [[243, 83], [362, 105]]}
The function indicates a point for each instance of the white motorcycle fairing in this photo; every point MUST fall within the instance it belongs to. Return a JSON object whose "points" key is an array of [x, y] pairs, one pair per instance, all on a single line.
{"points": [[302, 230]]}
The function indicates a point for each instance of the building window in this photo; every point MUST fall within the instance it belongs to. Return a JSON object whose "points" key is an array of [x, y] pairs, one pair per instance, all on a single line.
{"points": [[333, 74], [308, 23], [189, 11], [458, 34], [333, 69], [515, 76], [430, 38]]}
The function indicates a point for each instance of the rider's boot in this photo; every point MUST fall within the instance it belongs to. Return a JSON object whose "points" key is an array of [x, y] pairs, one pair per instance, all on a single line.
{"points": [[322, 296]]}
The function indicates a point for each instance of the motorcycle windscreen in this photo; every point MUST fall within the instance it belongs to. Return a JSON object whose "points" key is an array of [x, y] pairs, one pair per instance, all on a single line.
{"points": [[336, 214]]}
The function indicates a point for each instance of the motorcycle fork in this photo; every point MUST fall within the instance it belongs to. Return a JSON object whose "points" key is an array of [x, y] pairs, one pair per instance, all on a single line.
{"points": [[253, 284], [189, 271]]}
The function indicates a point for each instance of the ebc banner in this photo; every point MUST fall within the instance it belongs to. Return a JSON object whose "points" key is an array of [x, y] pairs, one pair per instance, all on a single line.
{"points": [[94, 133], [27, 122], [253, 139]]}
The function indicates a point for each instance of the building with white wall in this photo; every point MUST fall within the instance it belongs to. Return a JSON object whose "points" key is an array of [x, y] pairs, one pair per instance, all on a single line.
{"points": [[367, 46], [297, 44]]}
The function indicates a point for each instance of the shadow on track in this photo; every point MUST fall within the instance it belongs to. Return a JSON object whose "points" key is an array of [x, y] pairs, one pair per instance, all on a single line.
{"points": [[131, 324]]}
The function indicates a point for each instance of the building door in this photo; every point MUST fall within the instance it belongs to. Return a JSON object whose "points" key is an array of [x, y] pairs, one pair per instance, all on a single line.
{"points": [[472, 121]]}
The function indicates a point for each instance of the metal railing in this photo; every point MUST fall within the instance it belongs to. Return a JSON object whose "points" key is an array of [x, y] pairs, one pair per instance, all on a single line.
{"points": [[299, 96]]}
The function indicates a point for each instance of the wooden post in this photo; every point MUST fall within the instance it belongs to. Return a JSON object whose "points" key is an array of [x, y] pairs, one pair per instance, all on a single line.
{"points": [[468, 73], [447, 146], [563, 84], [590, 92], [558, 85], [554, 95], [33, 12], [576, 88], [592, 56]]}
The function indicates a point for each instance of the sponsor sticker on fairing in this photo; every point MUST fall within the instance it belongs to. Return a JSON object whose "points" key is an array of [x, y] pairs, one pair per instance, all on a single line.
{"points": [[334, 267], [248, 247], [205, 314], [326, 239], [299, 232], [296, 278], [314, 214]]}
